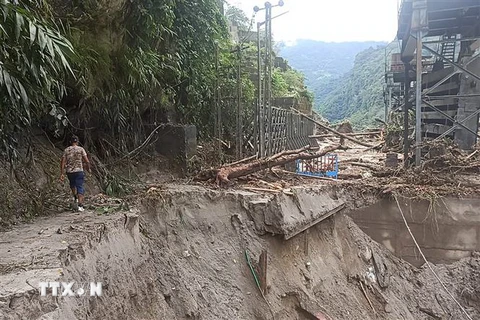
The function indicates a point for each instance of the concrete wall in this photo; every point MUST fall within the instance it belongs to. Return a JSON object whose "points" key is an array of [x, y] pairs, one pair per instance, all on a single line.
{"points": [[446, 232], [178, 143]]}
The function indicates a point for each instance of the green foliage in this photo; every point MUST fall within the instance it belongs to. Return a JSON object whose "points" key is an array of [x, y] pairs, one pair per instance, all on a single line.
{"points": [[340, 91], [290, 83], [237, 17], [115, 186], [323, 63], [33, 62], [358, 95], [280, 86], [145, 62]]}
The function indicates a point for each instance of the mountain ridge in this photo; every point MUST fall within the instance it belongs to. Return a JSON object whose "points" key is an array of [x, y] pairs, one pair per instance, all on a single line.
{"points": [[346, 77]]}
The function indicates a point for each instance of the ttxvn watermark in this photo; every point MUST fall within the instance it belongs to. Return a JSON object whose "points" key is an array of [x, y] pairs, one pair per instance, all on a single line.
{"points": [[70, 289]]}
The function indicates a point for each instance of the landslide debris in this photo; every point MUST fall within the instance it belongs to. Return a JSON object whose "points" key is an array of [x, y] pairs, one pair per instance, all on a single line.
{"points": [[181, 255]]}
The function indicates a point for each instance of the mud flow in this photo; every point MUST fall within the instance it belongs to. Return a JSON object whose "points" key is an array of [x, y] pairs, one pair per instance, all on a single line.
{"points": [[182, 254]]}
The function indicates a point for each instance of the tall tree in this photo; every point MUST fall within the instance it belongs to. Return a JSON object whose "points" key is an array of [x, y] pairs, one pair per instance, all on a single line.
{"points": [[33, 62]]}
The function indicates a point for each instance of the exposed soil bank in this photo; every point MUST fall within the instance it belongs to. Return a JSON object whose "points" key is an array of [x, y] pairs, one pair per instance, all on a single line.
{"points": [[182, 256]]}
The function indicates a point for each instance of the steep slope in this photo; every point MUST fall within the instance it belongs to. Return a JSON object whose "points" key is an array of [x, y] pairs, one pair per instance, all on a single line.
{"points": [[346, 78], [358, 95], [323, 63]]}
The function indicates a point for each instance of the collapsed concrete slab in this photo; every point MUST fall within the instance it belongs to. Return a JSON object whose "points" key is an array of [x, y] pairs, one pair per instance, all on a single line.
{"points": [[291, 213]]}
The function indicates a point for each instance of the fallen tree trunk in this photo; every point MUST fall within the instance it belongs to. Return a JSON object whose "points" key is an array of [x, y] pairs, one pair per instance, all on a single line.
{"points": [[225, 174], [372, 166], [349, 176], [241, 161], [373, 133], [289, 152], [332, 130]]}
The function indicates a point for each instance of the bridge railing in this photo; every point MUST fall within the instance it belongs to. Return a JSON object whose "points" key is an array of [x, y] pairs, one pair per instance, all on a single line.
{"points": [[288, 131]]}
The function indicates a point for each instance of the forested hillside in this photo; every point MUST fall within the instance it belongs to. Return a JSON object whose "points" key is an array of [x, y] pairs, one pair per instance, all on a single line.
{"points": [[323, 62], [346, 78], [358, 95], [109, 70]]}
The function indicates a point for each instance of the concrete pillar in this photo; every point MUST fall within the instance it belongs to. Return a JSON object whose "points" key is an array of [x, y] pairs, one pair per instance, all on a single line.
{"points": [[466, 106], [177, 143]]}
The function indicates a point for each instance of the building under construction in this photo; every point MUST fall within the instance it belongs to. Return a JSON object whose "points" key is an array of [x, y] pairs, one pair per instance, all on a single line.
{"points": [[437, 72]]}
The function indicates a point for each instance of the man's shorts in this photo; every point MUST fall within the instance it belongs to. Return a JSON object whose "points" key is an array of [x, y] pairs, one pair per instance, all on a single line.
{"points": [[76, 181]]}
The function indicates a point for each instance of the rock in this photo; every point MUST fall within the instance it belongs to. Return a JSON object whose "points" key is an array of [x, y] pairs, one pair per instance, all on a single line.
{"points": [[370, 275], [381, 271], [388, 308], [367, 174], [167, 296], [308, 264], [320, 316], [391, 160], [366, 254]]}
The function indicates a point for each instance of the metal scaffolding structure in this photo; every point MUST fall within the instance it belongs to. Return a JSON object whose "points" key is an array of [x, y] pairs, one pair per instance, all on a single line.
{"points": [[440, 53]]}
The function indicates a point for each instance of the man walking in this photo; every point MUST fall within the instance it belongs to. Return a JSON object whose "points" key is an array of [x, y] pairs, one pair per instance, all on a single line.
{"points": [[72, 163]]}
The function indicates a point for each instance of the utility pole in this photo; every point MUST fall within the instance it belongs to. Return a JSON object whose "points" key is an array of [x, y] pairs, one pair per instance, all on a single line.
{"points": [[239, 142], [419, 26], [268, 72], [218, 109], [406, 108], [389, 102], [418, 103], [387, 82], [265, 146], [259, 125]]}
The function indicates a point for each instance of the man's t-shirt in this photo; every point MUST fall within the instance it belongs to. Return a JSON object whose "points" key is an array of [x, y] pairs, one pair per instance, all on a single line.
{"points": [[73, 159]]}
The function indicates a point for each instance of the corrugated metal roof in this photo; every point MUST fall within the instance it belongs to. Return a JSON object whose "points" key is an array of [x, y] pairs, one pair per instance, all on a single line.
{"points": [[445, 17]]}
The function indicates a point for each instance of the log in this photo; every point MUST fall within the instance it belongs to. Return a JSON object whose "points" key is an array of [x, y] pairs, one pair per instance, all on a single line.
{"points": [[262, 263], [241, 161], [378, 146], [373, 167], [262, 189], [471, 154], [308, 176], [289, 152], [225, 174], [315, 177], [349, 176], [373, 133], [332, 130], [310, 224]]}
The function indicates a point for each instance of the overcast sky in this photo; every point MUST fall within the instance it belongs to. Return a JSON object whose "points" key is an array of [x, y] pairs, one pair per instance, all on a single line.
{"points": [[330, 20]]}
